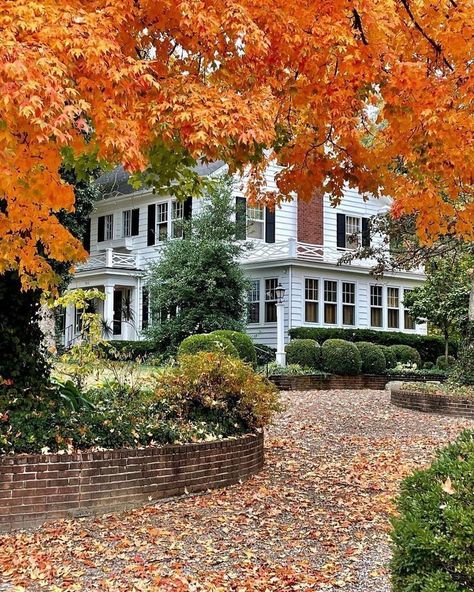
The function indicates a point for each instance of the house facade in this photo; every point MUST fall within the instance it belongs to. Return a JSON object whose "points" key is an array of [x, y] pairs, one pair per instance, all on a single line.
{"points": [[297, 246]]}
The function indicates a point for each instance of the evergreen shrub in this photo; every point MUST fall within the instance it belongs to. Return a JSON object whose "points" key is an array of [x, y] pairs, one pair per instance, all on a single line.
{"points": [[373, 358], [195, 344], [390, 358], [304, 352], [341, 357], [406, 354], [444, 364], [242, 343]]}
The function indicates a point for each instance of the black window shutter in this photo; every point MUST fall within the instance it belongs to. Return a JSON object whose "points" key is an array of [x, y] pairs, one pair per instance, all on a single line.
{"points": [[341, 231], [100, 229], [269, 225], [240, 218], [365, 232], [188, 208], [151, 225], [135, 222], [86, 239]]}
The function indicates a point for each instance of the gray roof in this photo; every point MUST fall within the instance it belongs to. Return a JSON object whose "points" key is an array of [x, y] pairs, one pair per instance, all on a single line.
{"points": [[116, 182]]}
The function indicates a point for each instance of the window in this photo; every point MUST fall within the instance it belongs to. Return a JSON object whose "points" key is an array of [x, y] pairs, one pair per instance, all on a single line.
{"points": [[376, 304], [393, 305], [162, 221], [270, 300], [348, 303], [330, 302], [109, 227], [409, 321], [177, 215], [145, 308], [255, 222], [253, 302], [311, 300], [353, 232], [127, 223]]}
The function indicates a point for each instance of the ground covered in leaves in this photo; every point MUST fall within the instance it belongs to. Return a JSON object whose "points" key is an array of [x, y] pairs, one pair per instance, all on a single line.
{"points": [[315, 519]]}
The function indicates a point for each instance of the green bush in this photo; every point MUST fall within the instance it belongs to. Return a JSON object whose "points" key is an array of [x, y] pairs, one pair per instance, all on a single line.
{"points": [[341, 357], [444, 364], [275, 369], [373, 358], [428, 366], [390, 358], [406, 354], [131, 350], [304, 352], [242, 343], [463, 370], [433, 536], [428, 346], [195, 344], [265, 354]]}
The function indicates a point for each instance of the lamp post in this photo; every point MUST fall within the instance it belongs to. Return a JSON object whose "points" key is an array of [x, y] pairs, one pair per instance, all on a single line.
{"points": [[280, 310]]}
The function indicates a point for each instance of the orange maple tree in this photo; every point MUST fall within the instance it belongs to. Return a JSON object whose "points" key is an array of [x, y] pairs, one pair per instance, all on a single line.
{"points": [[374, 93]]}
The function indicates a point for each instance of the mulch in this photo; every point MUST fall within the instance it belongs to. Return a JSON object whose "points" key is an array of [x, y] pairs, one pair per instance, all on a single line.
{"points": [[316, 518]]}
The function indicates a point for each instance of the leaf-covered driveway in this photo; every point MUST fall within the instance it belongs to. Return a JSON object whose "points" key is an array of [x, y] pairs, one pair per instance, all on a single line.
{"points": [[314, 519]]}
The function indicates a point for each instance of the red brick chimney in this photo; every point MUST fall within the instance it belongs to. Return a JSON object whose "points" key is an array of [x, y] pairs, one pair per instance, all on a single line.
{"points": [[310, 221]]}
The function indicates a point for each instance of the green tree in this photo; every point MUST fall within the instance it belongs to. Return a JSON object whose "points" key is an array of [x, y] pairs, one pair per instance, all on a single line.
{"points": [[443, 299], [198, 286]]}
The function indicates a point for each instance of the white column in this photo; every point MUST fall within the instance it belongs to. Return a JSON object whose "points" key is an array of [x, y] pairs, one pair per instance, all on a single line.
{"points": [[280, 353], [109, 306], [109, 258]]}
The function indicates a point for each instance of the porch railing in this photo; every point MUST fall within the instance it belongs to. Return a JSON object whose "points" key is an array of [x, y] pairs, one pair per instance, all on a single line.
{"points": [[110, 259]]}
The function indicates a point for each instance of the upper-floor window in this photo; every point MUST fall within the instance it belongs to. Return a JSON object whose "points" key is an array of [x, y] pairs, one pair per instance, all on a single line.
{"points": [[409, 321], [376, 306], [311, 300], [255, 222], [105, 228], [353, 232], [253, 302], [162, 221], [270, 300], [177, 216], [130, 222]]}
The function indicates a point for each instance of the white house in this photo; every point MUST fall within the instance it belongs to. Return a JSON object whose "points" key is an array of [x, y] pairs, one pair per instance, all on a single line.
{"points": [[298, 246]]}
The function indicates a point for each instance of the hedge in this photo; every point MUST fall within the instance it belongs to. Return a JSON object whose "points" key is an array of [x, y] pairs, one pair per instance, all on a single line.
{"points": [[428, 346], [242, 343], [304, 352], [373, 358], [433, 536], [195, 344], [341, 357]]}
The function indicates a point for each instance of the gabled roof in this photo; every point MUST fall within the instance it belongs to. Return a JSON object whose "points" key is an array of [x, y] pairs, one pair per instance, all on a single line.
{"points": [[116, 182]]}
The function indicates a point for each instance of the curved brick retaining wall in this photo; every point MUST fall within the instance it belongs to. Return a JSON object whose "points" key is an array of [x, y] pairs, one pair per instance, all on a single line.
{"points": [[315, 382], [432, 403], [36, 488]]}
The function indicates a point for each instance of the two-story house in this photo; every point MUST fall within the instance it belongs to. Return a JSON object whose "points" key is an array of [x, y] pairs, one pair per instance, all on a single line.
{"points": [[298, 246]]}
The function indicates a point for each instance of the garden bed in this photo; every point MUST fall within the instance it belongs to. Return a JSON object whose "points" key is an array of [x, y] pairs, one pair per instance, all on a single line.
{"points": [[36, 488], [432, 402], [333, 382]]}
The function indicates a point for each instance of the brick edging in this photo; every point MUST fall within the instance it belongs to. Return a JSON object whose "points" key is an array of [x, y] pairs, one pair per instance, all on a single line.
{"points": [[432, 402], [36, 488], [314, 382]]}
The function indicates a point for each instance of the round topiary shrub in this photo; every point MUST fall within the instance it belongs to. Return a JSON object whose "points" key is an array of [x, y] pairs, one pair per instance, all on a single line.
{"points": [[195, 344], [304, 352], [406, 354], [390, 357], [341, 357], [373, 358], [433, 537], [242, 343], [428, 366], [444, 364]]}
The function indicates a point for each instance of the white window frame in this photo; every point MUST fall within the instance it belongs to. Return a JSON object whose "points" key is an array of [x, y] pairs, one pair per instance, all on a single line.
{"points": [[252, 220], [376, 306], [330, 302], [317, 302], [405, 312], [174, 210], [108, 227], [127, 223], [353, 229], [177, 216], [254, 296], [353, 304], [394, 308], [267, 300]]}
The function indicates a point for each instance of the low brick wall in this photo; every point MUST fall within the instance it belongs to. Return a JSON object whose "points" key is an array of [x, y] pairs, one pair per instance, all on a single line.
{"points": [[36, 488], [318, 383], [432, 403]]}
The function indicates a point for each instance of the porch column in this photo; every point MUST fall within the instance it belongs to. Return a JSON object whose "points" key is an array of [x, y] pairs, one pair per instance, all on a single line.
{"points": [[109, 306]]}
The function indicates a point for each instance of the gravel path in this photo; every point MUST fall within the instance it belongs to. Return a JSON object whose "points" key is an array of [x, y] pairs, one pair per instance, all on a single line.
{"points": [[316, 518]]}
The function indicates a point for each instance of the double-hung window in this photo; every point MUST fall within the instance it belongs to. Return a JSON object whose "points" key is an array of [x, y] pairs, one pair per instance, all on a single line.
{"points": [[353, 232], [409, 321], [109, 227], [330, 302], [255, 222], [253, 302], [376, 306], [127, 223], [393, 306], [348, 303], [162, 221], [177, 216], [311, 300], [270, 300]]}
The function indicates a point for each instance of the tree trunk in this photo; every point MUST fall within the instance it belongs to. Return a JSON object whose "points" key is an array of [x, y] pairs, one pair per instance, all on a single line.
{"points": [[446, 345]]}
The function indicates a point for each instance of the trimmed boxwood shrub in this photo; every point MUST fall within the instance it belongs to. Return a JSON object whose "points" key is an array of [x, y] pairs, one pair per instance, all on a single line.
{"points": [[373, 358], [341, 357], [444, 364], [428, 346], [242, 343], [428, 366], [433, 536], [406, 354], [304, 352], [195, 344], [390, 358]]}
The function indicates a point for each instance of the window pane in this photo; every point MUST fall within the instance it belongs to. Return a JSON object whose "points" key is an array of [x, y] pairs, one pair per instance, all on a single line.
{"points": [[330, 314], [409, 321], [352, 232], [127, 223], [393, 318], [376, 295], [348, 314], [253, 302], [270, 300], [392, 297], [311, 312], [348, 293], [109, 227], [270, 312], [376, 317], [330, 291], [311, 289], [177, 215], [162, 221]]}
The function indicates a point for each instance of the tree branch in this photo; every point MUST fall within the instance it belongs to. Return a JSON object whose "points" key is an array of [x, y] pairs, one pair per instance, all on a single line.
{"points": [[359, 27]]}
